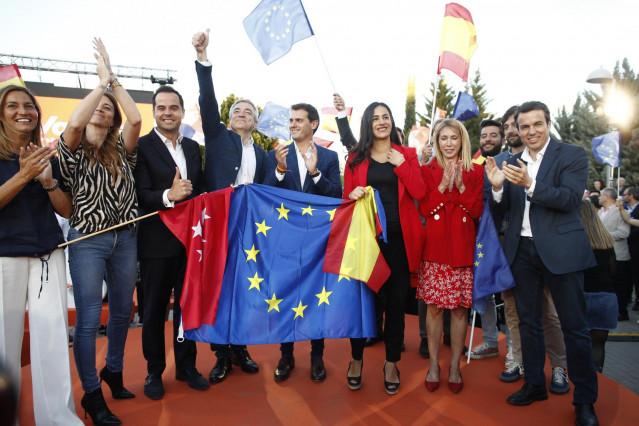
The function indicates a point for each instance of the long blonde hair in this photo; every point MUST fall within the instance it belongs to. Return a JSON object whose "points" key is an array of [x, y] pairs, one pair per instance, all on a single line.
{"points": [[467, 160], [600, 238], [6, 151], [109, 154]]}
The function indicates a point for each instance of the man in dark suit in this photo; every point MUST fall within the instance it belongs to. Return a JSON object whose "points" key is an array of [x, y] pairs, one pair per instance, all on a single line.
{"points": [[169, 170], [231, 158], [305, 167], [546, 245]]}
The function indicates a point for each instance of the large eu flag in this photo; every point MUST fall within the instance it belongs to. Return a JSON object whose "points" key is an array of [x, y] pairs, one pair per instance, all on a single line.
{"points": [[607, 149], [274, 288], [275, 25]]}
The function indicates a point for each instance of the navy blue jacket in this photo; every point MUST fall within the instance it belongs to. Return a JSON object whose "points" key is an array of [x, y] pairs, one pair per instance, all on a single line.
{"points": [[555, 218], [329, 184], [223, 154]]}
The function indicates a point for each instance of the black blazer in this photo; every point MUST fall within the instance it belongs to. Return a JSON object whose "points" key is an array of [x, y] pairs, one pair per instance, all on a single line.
{"points": [[154, 174], [555, 216], [223, 155]]}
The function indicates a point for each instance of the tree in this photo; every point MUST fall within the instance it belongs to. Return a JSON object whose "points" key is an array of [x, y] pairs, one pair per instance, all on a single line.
{"points": [[410, 119], [258, 138], [477, 89], [587, 120], [445, 101]]}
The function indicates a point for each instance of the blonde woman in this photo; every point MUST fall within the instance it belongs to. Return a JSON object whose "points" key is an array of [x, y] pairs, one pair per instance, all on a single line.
{"points": [[451, 207]]}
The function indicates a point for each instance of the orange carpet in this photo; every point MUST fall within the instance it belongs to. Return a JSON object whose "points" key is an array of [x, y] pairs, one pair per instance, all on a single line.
{"points": [[256, 399]]}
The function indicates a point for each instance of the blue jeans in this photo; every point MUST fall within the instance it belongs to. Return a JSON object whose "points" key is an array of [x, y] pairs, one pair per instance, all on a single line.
{"points": [[110, 256]]}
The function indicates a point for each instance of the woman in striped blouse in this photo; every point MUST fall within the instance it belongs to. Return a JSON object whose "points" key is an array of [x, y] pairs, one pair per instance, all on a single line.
{"points": [[97, 162]]}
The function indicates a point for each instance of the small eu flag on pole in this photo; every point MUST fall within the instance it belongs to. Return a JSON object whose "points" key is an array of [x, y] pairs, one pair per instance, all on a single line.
{"points": [[465, 108], [606, 149], [275, 25], [273, 121]]}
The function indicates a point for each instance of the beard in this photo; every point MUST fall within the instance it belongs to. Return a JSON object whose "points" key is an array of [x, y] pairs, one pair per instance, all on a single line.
{"points": [[491, 153], [516, 143]]}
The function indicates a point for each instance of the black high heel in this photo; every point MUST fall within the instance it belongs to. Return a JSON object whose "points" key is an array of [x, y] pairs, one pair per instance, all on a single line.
{"points": [[354, 382], [114, 380], [94, 404], [391, 388]]}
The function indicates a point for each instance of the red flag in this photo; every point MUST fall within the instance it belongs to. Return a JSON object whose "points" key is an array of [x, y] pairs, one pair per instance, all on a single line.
{"points": [[201, 224]]}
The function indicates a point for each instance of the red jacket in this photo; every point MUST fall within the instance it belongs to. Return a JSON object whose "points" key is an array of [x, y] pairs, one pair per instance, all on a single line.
{"points": [[451, 217], [410, 188]]}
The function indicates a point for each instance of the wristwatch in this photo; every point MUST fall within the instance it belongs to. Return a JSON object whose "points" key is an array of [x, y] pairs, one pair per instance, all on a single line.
{"points": [[53, 187]]}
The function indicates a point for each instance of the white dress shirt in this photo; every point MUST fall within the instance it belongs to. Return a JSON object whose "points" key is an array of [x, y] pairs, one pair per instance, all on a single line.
{"points": [[533, 169], [246, 174], [180, 160]]}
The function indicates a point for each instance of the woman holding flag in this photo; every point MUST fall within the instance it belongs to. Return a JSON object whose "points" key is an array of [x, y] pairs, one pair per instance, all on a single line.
{"points": [[380, 161], [97, 164], [451, 207]]}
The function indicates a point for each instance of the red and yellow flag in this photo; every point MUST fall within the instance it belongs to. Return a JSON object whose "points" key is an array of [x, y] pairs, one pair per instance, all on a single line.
{"points": [[352, 250], [10, 75], [328, 118], [459, 41]]}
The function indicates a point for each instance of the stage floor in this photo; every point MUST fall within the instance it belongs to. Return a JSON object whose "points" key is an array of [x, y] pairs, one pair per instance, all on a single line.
{"points": [[257, 399]]}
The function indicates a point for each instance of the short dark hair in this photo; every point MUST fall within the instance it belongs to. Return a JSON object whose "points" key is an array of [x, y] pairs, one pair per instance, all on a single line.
{"points": [[167, 89], [510, 111], [532, 106], [313, 115], [633, 191], [492, 123]]}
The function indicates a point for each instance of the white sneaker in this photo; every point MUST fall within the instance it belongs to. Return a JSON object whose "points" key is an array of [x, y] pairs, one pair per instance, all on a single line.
{"points": [[510, 360], [512, 374]]}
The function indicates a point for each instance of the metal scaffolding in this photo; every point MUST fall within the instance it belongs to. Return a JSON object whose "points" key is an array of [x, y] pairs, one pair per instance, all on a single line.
{"points": [[156, 75]]}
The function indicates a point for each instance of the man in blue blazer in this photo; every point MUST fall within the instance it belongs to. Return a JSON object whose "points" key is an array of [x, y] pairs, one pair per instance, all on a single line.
{"points": [[168, 171], [546, 245], [305, 167], [231, 158]]}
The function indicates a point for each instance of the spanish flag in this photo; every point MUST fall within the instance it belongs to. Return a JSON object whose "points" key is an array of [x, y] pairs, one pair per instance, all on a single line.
{"points": [[352, 250], [10, 75], [328, 118], [459, 41]]}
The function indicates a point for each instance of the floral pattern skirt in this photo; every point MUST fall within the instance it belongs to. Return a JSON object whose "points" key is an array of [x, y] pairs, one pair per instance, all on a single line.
{"points": [[445, 286]]}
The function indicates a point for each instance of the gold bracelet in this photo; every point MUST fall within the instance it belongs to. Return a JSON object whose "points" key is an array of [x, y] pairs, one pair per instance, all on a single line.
{"points": [[115, 83]]}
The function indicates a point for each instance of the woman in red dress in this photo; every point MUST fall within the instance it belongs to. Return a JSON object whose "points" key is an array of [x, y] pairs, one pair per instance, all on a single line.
{"points": [[451, 207], [380, 161]]}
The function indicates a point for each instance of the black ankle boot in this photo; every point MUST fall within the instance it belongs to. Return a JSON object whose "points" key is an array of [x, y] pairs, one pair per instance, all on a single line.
{"points": [[114, 380], [94, 404]]}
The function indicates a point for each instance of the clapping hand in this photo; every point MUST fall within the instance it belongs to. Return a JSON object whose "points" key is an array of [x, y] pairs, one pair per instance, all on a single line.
{"points": [[517, 175], [310, 159], [104, 63], [448, 177], [35, 164], [495, 176]]}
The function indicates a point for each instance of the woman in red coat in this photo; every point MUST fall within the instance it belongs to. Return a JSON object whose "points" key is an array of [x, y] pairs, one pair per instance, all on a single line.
{"points": [[380, 161], [451, 207]]}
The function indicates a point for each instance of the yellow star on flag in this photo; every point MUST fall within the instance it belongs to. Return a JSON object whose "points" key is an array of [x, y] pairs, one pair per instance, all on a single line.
{"points": [[480, 255], [323, 296], [476, 263], [273, 303], [344, 270], [350, 242], [307, 210], [479, 246], [255, 282], [299, 311], [262, 227], [283, 212], [331, 214], [252, 254]]}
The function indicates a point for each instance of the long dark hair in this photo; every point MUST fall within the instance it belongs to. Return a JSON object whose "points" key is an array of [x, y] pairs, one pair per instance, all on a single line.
{"points": [[362, 150]]}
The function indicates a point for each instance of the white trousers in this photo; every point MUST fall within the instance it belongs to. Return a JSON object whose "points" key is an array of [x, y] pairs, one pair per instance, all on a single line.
{"points": [[20, 281]]}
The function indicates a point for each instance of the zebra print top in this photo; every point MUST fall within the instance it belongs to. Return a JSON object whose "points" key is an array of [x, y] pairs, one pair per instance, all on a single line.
{"points": [[97, 202]]}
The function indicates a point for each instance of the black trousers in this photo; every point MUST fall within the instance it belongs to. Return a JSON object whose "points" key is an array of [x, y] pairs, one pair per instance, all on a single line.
{"points": [[395, 291], [531, 276], [159, 277]]}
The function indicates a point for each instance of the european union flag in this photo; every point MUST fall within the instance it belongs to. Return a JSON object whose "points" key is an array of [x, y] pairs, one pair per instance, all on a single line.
{"points": [[275, 25], [273, 121], [274, 289], [491, 273], [606, 148], [465, 107]]}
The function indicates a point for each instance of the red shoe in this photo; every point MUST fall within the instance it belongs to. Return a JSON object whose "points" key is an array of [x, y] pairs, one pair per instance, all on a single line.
{"points": [[456, 387], [431, 386]]}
